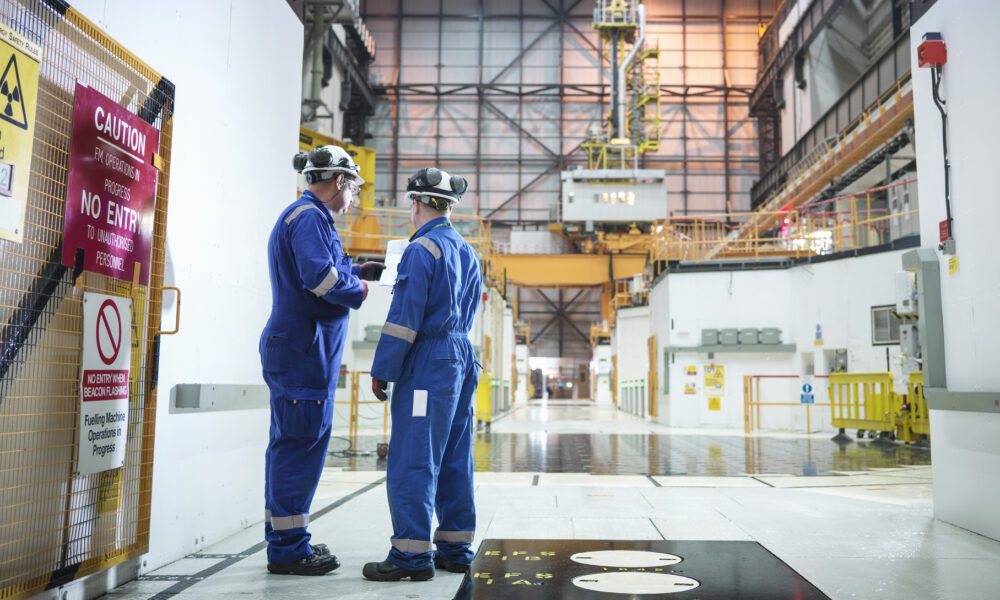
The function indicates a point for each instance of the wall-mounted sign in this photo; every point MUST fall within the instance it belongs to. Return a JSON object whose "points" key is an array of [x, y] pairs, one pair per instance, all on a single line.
{"points": [[111, 192], [691, 371], [715, 404], [107, 348], [807, 396], [19, 60], [690, 389], [715, 380]]}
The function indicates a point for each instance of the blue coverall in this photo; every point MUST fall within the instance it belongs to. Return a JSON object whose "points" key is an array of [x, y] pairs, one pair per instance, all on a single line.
{"points": [[425, 349], [313, 286]]}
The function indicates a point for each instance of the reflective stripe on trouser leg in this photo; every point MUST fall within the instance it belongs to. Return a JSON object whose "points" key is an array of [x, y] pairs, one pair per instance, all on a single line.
{"points": [[412, 546], [285, 523], [457, 537]]}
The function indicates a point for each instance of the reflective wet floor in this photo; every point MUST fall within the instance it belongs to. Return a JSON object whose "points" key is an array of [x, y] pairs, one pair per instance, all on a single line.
{"points": [[844, 522], [580, 437]]}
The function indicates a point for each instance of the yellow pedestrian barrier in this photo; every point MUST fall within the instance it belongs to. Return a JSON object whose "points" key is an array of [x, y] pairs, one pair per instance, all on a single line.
{"points": [[867, 402], [484, 398]]}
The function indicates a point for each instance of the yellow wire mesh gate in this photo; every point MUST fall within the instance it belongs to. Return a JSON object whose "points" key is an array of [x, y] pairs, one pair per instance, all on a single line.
{"points": [[54, 526]]}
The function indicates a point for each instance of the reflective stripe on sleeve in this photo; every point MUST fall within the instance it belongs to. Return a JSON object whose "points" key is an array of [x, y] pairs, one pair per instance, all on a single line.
{"points": [[430, 246], [456, 537], [398, 331], [328, 282], [298, 211], [412, 546], [292, 522]]}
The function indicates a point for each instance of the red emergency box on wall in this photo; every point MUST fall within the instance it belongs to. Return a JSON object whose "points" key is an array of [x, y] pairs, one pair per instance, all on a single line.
{"points": [[932, 52]]}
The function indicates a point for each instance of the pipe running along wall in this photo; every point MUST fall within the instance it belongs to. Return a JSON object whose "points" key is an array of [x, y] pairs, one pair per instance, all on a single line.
{"points": [[640, 38]]}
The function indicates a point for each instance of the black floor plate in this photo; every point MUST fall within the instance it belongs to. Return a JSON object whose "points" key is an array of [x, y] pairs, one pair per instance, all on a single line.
{"points": [[529, 569]]}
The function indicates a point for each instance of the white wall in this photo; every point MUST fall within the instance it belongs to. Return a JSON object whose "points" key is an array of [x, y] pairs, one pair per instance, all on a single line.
{"points": [[966, 451], [230, 177], [837, 295]]}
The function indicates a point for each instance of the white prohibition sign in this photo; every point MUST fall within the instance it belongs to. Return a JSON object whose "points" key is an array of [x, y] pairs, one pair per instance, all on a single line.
{"points": [[635, 582], [625, 558], [110, 324]]}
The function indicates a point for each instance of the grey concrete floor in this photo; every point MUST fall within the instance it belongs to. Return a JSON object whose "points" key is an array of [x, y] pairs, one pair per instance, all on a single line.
{"points": [[854, 534]]}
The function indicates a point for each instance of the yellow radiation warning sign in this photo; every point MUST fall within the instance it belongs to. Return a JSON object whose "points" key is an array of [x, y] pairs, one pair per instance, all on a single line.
{"points": [[19, 60]]}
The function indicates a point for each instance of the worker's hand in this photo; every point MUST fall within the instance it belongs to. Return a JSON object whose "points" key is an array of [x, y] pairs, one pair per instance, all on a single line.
{"points": [[364, 291], [371, 270], [378, 388]]}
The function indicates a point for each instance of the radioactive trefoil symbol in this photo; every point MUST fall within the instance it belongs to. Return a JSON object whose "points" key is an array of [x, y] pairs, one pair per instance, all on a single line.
{"points": [[10, 95]]}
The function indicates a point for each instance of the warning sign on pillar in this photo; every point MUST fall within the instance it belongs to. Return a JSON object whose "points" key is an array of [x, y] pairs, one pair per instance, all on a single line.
{"points": [[107, 342]]}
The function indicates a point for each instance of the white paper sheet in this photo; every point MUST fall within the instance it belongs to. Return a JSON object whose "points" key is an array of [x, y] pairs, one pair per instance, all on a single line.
{"points": [[393, 254]]}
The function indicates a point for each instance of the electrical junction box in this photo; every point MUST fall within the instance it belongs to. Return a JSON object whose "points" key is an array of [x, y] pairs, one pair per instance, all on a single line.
{"points": [[932, 51], [906, 293], [709, 337], [749, 336], [729, 337], [770, 335]]}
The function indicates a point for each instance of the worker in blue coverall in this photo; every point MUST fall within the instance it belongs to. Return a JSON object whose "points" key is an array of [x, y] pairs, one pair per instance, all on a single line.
{"points": [[425, 349], [313, 288]]}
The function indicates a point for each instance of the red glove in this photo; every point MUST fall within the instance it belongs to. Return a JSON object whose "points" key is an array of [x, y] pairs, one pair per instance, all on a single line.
{"points": [[364, 292], [378, 388]]}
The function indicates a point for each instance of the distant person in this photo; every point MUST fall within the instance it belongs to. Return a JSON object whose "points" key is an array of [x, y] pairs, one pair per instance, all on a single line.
{"points": [[425, 350], [313, 287]]}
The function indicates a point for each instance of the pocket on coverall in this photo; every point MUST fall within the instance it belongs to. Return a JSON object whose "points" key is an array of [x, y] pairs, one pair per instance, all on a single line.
{"points": [[300, 412]]}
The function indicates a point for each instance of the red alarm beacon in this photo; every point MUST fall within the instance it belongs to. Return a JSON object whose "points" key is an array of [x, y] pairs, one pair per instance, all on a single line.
{"points": [[932, 52]]}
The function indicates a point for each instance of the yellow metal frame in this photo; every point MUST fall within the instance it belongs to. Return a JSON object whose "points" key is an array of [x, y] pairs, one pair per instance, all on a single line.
{"points": [[43, 393], [752, 403], [356, 402]]}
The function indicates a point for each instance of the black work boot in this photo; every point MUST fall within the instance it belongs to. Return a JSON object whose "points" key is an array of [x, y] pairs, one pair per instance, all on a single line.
{"points": [[452, 567], [386, 571], [321, 549], [314, 564]]}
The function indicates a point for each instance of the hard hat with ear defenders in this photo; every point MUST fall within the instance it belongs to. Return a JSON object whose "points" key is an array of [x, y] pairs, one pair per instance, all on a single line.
{"points": [[436, 188], [326, 162]]}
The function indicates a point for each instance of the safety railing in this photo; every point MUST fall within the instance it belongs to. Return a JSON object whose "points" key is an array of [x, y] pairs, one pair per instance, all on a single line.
{"points": [[356, 403], [845, 223], [753, 402], [871, 94]]}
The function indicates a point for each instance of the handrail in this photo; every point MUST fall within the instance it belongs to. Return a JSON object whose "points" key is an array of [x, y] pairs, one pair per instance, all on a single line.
{"points": [[828, 124], [810, 230]]}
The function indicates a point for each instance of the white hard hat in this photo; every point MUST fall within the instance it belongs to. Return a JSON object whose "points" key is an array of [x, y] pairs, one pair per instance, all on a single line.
{"points": [[430, 183], [326, 162]]}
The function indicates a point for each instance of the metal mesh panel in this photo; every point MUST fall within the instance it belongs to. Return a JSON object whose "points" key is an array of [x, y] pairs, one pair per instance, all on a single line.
{"points": [[55, 526]]}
